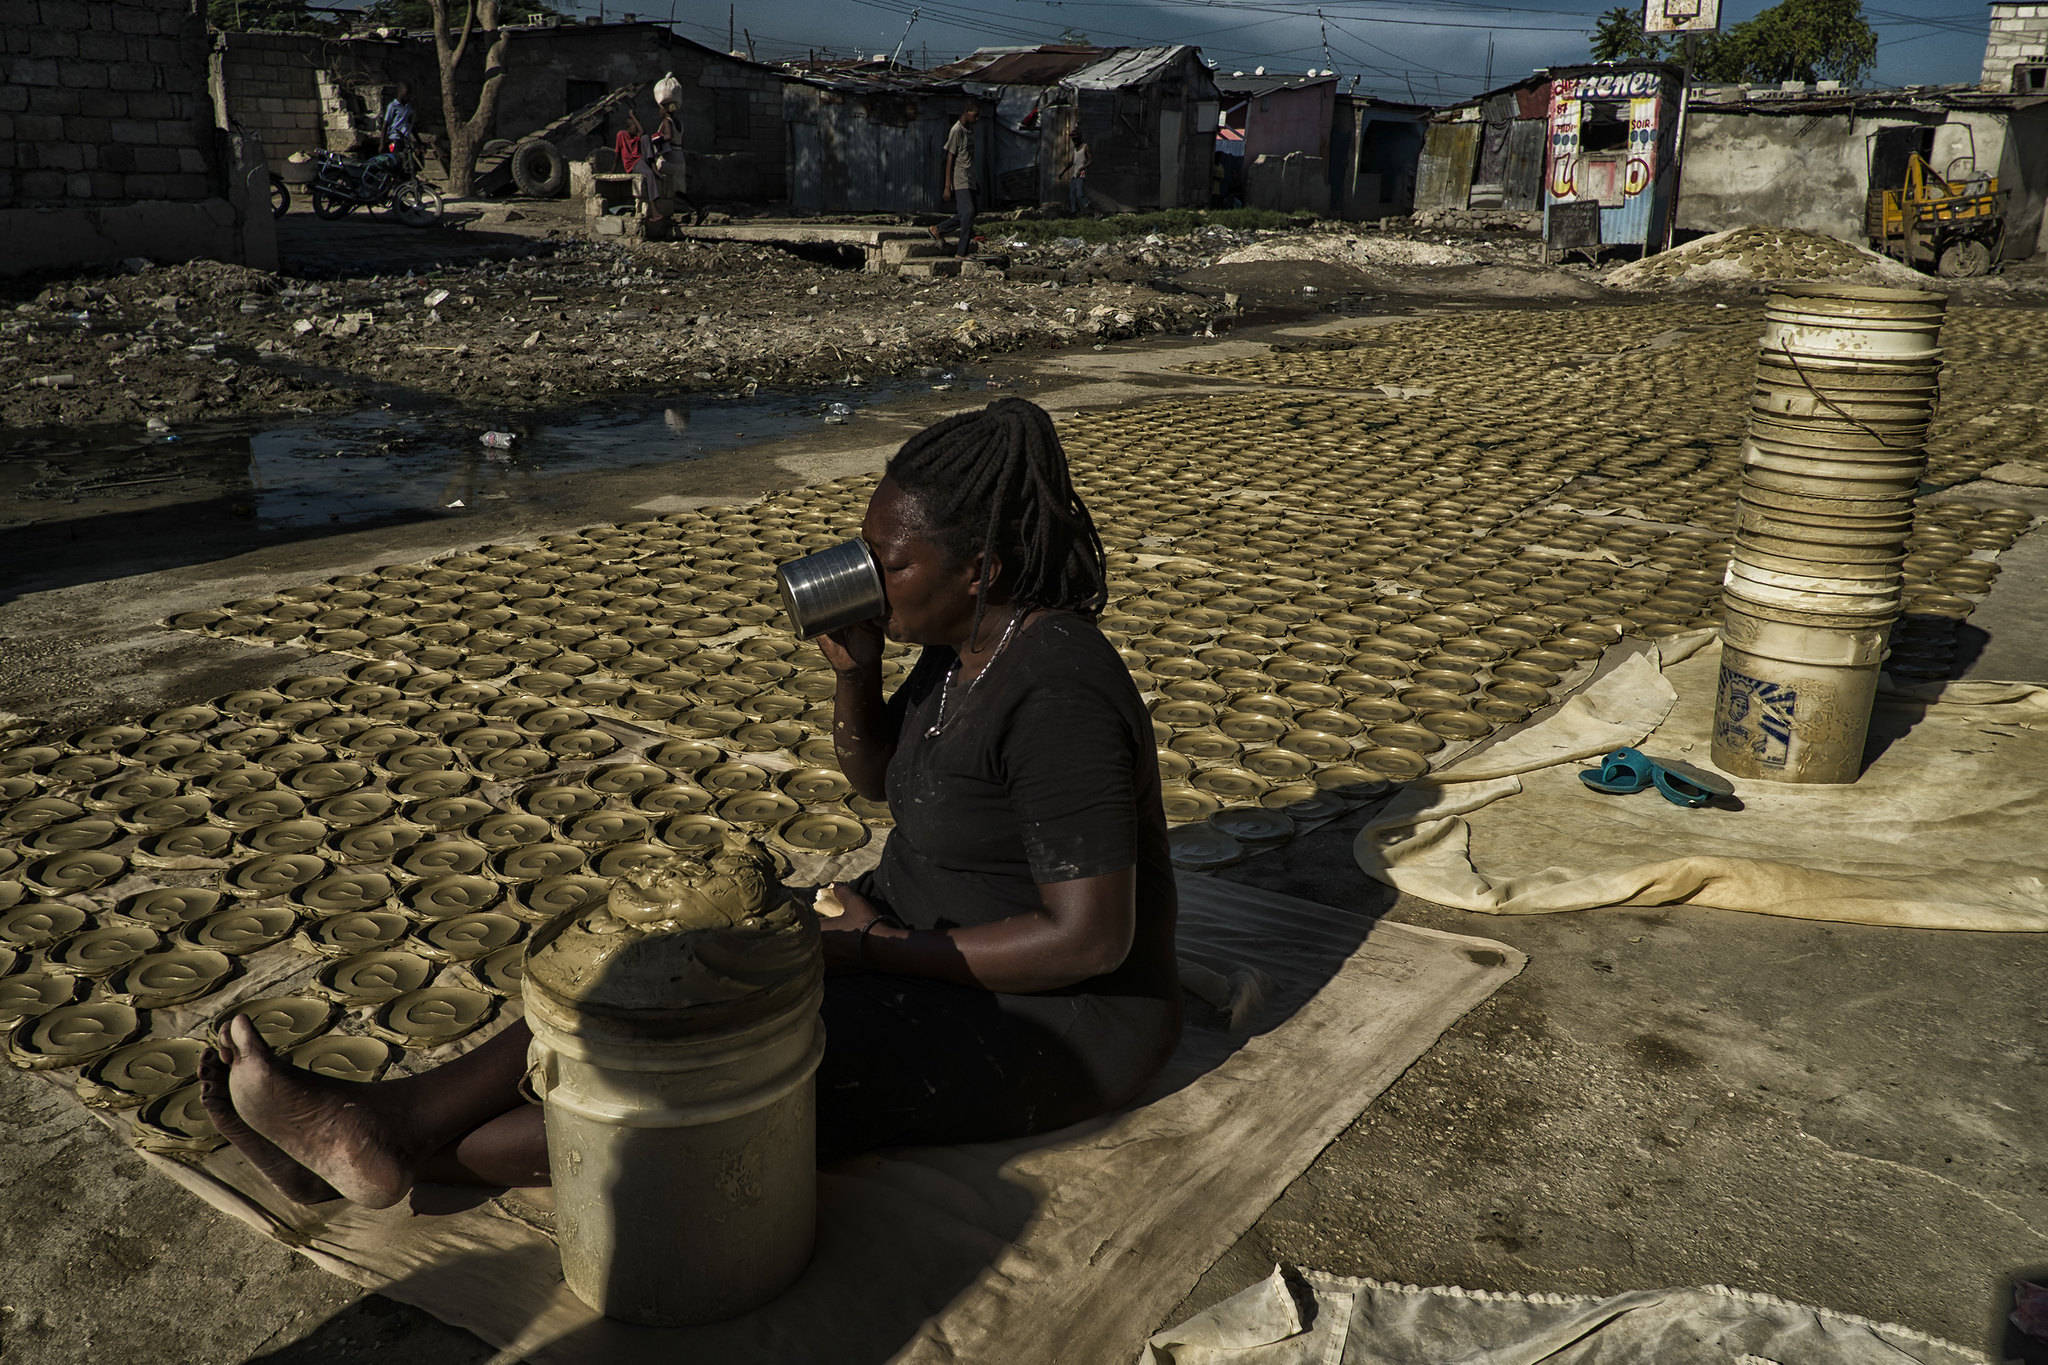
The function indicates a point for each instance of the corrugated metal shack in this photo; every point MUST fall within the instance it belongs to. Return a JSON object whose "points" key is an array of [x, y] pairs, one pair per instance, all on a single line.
{"points": [[1375, 146], [1025, 167], [1150, 116], [1613, 154], [874, 144], [1286, 124], [1489, 152]]}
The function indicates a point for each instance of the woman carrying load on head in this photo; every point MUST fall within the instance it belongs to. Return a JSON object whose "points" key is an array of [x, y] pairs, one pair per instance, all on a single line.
{"points": [[1006, 970]]}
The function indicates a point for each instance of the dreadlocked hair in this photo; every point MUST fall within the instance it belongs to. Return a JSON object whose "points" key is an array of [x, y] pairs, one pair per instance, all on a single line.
{"points": [[996, 483]]}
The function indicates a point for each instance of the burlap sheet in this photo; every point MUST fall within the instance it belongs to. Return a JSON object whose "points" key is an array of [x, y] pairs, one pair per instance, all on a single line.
{"points": [[1070, 1247]]}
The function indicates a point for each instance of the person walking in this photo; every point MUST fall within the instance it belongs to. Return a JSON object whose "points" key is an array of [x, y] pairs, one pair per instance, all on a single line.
{"points": [[1077, 188], [397, 120], [960, 181]]}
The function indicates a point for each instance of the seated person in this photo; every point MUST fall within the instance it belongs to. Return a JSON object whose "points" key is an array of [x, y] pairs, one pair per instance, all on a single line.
{"points": [[1008, 968]]}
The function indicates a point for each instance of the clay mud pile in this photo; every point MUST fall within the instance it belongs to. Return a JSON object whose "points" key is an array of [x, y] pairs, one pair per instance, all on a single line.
{"points": [[1755, 255]]}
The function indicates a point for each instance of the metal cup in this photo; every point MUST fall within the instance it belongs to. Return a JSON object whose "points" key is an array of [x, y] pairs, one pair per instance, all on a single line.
{"points": [[834, 587]]}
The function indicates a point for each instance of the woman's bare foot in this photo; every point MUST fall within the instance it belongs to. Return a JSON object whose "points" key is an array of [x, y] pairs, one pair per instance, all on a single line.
{"points": [[328, 1128], [293, 1181]]}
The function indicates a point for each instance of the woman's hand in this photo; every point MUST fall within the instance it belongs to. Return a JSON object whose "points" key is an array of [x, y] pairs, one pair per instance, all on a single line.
{"points": [[842, 933], [853, 649]]}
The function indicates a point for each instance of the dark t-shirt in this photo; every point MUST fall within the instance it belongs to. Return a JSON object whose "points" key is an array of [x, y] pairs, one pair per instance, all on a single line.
{"points": [[1046, 771]]}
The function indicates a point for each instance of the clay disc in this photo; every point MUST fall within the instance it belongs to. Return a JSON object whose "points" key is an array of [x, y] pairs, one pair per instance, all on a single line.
{"points": [[607, 827], [132, 790], [1230, 783], [873, 814], [354, 808], [558, 801], [435, 1015], [71, 1035], [425, 786], [511, 829], [345, 1057], [550, 896], [767, 736], [356, 931], [40, 923], [327, 778], [822, 832], [286, 836], [98, 738], [553, 720], [374, 977], [1410, 737], [1278, 765], [374, 843], [501, 972], [1202, 846], [169, 813], [468, 936], [1354, 781], [167, 907], [1317, 745], [450, 812], [242, 779], [1206, 748], [1185, 804], [443, 855], [687, 756], [1303, 802], [1455, 724], [695, 831], [27, 994], [176, 1122], [815, 786], [242, 929], [344, 891], [452, 894], [512, 764], [756, 808], [624, 779], [171, 976], [141, 1071], [100, 952], [1395, 764], [274, 874], [620, 859], [259, 808], [187, 846], [1254, 826], [536, 861], [284, 1021], [35, 813], [578, 745], [673, 798]]}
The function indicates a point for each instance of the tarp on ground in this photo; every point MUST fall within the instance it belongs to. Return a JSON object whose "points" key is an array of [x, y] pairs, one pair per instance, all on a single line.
{"points": [[1324, 1319], [1068, 1247], [1942, 831]]}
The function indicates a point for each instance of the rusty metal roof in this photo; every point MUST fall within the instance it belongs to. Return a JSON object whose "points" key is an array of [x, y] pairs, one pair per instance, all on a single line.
{"points": [[1127, 66], [1047, 65]]}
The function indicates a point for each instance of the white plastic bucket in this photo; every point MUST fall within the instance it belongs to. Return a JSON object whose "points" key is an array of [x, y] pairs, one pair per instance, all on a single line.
{"points": [[1852, 322], [1782, 718], [1840, 597], [684, 1155]]}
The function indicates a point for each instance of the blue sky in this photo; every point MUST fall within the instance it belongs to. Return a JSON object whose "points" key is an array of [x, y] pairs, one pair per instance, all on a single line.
{"points": [[1436, 49]]}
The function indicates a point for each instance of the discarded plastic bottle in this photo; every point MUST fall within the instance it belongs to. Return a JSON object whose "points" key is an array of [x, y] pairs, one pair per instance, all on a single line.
{"points": [[499, 440]]}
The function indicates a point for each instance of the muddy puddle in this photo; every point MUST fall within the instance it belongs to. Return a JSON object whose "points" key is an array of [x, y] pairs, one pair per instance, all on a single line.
{"points": [[88, 503]]}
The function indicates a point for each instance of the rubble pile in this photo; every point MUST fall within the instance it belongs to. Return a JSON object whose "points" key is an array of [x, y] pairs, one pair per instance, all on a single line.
{"points": [[1376, 252], [204, 339], [1478, 220], [1757, 254]]}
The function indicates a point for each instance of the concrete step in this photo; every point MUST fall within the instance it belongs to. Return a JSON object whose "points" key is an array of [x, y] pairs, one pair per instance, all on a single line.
{"points": [[929, 269], [902, 250]]}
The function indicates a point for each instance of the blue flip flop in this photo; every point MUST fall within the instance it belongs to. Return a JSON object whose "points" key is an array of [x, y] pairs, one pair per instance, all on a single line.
{"points": [[1620, 773], [1684, 785]]}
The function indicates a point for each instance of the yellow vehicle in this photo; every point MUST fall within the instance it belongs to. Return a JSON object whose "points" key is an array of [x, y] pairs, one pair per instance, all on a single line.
{"points": [[1951, 223]]}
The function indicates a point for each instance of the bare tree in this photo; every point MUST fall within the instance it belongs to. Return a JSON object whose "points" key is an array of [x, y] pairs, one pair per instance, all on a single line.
{"points": [[465, 135]]}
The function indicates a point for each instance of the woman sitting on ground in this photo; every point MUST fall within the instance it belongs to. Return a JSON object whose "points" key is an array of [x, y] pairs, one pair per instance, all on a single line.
{"points": [[1007, 969]]}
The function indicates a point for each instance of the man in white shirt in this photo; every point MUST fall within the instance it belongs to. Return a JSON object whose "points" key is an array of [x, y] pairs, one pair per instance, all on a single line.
{"points": [[960, 180]]}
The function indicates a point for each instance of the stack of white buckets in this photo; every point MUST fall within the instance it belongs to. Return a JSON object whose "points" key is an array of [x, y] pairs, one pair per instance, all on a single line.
{"points": [[1845, 390]]}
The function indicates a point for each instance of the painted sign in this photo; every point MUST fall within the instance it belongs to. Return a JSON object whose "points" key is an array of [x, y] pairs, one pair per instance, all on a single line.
{"points": [[1756, 717], [1682, 16]]}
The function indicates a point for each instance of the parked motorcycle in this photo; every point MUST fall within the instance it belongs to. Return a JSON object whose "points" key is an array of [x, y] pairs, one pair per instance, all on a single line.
{"points": [[389, 181]]}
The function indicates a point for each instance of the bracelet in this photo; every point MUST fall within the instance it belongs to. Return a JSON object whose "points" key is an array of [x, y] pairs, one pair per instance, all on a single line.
{"points": [[865, 930]]}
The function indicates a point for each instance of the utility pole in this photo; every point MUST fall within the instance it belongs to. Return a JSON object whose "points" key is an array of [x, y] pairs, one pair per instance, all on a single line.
{"points": [[1327, 62], [1489, 61], [731, 18], [904, 39]]}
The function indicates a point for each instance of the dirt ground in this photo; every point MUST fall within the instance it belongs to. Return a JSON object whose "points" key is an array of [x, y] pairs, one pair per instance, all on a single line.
{"points": [[1841, 1115]]}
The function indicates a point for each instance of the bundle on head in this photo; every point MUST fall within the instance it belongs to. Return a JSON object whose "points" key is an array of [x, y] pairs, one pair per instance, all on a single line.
{"points": [[995, 483]]}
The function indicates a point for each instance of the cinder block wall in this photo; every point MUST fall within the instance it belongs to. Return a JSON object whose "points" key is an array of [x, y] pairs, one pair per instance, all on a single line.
{"points": [[2019, 33], [272, 89], [104, 102]]}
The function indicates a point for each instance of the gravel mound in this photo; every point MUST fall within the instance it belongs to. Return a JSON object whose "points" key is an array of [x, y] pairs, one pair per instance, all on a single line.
{"points": [[1756, 254], [1368, 253]]}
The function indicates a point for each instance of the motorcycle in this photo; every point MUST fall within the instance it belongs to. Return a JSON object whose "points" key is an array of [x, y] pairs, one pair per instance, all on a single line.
{"points": [[389, 181]]}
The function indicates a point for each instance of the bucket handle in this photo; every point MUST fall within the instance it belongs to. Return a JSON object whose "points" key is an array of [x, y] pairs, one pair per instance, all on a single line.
{"points": [[1792, 359], [541, 1072]]}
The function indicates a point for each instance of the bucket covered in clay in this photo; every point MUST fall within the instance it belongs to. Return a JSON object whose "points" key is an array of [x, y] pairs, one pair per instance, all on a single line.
{"points": [[675, 1040]]}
